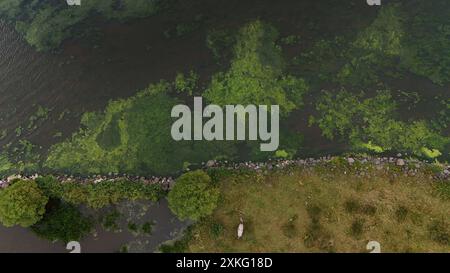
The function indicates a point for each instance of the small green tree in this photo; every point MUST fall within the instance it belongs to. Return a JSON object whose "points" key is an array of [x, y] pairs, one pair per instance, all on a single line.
{"points": [[22, 203], [63, 223], [193, 196]]}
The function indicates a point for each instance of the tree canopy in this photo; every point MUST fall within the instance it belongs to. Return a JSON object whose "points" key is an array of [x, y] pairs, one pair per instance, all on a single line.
{"points": [[22, 203], [193, 196], [63, 223]]}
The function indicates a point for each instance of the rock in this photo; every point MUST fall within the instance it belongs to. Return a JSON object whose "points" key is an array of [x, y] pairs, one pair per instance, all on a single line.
{"points": [[350, 160], [400, 162], [13, 177]]}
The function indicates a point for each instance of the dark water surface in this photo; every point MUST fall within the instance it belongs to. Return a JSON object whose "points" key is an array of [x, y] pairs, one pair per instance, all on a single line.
{"points": [[117, 59]]}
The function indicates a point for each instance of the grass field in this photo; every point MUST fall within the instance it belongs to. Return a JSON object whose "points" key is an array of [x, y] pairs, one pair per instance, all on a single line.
{"points": [[312, 210]]}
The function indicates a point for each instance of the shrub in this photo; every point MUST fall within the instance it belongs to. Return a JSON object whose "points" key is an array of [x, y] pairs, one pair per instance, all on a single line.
{"points": [[216, 230], [109, 221], [401, 213], [439, 232], [147, 228], [63, 223], [193, 196], [352, 206], [22, 203], [101, 194], [132, 227], [357, 227]]}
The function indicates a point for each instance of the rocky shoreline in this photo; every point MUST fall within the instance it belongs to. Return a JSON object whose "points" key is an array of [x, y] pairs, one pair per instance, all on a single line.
{"points": [[409, 167]]}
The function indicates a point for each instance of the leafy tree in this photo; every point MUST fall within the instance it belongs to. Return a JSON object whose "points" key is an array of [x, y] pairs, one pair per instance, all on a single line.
{"points": [[63, 223], [193, 196], [22, 203]]}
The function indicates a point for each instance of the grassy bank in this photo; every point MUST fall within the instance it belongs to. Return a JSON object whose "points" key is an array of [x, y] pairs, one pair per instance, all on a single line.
{"points": [[326, 208]]}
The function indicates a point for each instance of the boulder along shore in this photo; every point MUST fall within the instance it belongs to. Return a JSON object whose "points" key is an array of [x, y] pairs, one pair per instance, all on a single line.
{"points": [[359, 166]]}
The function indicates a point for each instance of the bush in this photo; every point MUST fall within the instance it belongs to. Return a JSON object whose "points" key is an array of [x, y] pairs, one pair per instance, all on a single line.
{"points": [[132, 227], [401, 213], [439, 232], [22, 203], [63, 223], [216, 230], [193, 196], [147, 228], [357, 227], [109, 221], [99, 195]]}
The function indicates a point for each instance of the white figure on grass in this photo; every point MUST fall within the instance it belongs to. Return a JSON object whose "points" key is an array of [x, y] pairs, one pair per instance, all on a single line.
{"points": [[240, 230]]}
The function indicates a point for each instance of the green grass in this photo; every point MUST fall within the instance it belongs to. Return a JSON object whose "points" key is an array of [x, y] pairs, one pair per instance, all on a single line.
{"points": [[301, 210]]}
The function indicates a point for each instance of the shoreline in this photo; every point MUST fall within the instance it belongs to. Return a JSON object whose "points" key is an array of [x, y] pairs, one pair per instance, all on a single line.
{"points": [[409, 167]]}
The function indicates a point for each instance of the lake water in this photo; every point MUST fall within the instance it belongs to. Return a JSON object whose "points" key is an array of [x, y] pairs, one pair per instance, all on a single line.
{"points": [[120, 59]]}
